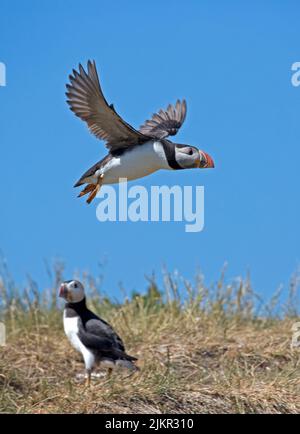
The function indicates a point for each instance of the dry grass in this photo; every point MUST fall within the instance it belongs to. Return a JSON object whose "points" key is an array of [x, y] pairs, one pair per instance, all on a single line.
{"points": [[205, 351]]}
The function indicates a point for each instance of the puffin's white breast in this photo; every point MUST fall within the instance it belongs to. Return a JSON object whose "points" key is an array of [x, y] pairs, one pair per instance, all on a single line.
{"points": [[71, 330], [135, 163]]}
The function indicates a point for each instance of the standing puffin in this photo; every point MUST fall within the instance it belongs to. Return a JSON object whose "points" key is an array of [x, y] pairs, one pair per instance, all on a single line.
{"points": [[132, 154], [94, 338]]}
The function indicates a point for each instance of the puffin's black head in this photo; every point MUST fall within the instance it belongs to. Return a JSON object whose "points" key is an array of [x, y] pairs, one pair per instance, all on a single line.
{"points": [[72, 291], [189, 157]]}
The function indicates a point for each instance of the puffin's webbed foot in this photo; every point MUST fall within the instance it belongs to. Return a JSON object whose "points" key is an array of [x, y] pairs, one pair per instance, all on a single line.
{"points": [[88, 378], [86, 190], [92, 189]]}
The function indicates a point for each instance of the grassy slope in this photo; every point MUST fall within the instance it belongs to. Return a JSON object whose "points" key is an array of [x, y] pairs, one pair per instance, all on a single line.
{"points": [[210, 354]]}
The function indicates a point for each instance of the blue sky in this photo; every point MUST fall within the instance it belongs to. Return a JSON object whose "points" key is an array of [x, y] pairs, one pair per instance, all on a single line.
{"points": [[232, 63]]}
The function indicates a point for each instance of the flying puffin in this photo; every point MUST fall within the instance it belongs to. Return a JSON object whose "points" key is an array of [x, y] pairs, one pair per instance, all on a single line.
{"points": [[94, 338], [132, 154]]}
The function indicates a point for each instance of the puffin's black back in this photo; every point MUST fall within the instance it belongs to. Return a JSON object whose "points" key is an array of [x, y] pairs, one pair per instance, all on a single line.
{"points": [[90, 324]]}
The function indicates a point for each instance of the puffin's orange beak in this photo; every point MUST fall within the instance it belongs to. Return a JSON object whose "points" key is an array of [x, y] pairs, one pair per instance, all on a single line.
{"points": [[205, 161], [63, 291]]}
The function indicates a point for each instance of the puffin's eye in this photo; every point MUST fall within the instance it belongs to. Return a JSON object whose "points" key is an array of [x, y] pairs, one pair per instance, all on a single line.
{"points": [[75, 285], [188, 151]]}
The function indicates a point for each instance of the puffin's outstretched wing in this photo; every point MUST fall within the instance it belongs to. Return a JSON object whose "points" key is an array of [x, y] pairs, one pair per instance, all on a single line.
{"points": [[87, 101], [166, 122]]}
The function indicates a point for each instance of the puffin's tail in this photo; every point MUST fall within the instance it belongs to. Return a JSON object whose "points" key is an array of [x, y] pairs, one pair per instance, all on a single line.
{"points": [[127, 361], [128, 364]]}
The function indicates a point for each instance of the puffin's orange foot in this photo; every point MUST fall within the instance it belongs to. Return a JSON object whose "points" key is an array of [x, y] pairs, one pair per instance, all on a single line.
{"points": [[92, 189], [86, 190], [93, 193], [88, 379]]}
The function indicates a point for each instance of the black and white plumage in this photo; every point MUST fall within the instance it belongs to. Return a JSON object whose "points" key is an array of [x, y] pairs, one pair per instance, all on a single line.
{"points": [[132, 154], [94, 338]]}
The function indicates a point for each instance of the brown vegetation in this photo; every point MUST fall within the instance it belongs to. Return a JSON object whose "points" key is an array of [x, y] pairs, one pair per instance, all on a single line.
{"points": [[207, 350]]}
